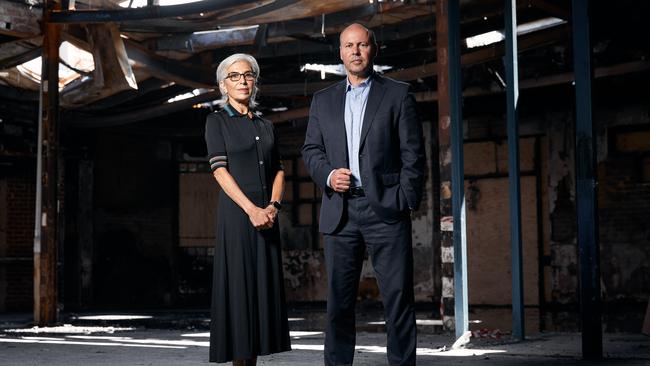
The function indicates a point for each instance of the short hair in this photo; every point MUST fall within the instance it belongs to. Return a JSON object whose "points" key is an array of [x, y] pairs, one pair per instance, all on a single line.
{"points": [[222, 73], [371, 33]]}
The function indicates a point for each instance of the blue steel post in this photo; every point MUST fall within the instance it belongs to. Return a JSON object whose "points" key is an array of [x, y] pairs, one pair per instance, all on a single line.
{"points": [[512, 96], [590, 302], [457, 174]]}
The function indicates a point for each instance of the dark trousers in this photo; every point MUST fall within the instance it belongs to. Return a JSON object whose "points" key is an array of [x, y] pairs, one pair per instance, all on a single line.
{"points": [[389, 246]]}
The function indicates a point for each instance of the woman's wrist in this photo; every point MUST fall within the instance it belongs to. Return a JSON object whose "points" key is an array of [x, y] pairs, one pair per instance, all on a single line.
{"points": [[248, 209]]}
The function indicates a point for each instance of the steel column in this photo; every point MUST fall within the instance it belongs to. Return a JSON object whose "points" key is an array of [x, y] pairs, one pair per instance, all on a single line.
{"points": [[512, 96], [457, 171], [441, 176], [590, 302]]}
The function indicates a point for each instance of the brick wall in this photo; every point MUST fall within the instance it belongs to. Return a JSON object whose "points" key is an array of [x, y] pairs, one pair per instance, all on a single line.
{"points": [[624, 204], [17, 266]]}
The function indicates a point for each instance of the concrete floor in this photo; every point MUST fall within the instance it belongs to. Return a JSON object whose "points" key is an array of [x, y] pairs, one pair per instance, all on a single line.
{"points": [[182, 339]]}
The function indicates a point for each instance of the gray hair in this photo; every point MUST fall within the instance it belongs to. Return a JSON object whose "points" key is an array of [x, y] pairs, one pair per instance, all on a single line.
{"points": [[222, 73]]}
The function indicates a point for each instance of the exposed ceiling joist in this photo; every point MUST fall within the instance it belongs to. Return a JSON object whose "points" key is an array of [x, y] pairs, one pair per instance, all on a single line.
{"points": [[112, 73], [525, 42], [551, 9], [20, 51], [147, 12], [145, 114], [144, 87], [277, 28], [432, 96], [195, 42], [486, 54], [183, 73], [427, 96], [179, 72], [208, 40]]}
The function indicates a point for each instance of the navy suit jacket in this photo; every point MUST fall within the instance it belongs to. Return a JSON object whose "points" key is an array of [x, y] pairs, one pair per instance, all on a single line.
{"points": [[391, 154]]}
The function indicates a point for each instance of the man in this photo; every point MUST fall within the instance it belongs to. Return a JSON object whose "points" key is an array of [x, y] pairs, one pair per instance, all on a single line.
{"points": [[364, 148]]}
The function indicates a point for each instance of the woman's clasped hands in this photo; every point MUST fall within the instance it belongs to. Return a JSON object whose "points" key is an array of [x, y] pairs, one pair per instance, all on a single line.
{"points": [[262, 218]]}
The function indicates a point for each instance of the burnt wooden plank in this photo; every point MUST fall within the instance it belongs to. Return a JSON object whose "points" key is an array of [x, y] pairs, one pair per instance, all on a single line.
{"points": [[147, 12], [46, 236], [19, 51], [112, 72]]}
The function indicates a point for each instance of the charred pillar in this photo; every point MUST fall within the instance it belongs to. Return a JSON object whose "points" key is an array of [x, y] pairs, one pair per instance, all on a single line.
{"points": [[47, 201]]}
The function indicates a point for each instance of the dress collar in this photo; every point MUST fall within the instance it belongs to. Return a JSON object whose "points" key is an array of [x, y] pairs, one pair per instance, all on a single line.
{"points": [[233, 112]]}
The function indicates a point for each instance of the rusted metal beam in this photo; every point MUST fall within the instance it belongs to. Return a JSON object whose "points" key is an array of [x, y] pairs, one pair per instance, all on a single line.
{"points": [[208, 40], [144, 87], [426, 96], [144, 114], [276, 30], [46, 235], [550, 80], [431, 69], [148, 12], [19, 51], [183, 73], [526, 42], [258, 10]]}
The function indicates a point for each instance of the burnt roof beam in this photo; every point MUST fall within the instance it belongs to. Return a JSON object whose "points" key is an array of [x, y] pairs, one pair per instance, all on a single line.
{"points": [[20, 51], [147, 12], [220, 38]]}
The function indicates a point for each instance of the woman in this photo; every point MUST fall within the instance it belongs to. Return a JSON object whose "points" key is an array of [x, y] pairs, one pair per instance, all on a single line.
{"points": [[249, 316]]}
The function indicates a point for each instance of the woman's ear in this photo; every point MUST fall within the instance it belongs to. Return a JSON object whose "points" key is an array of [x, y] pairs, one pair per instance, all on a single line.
{"points": [[222, 87]]}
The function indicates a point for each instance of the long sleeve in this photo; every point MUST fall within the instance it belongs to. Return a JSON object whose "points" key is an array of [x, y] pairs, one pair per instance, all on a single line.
{"points": [[313, 150]]}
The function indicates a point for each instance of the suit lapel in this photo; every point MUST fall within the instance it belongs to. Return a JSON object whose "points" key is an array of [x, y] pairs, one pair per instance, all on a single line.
{"points": [[338, 111], [375, 96]]}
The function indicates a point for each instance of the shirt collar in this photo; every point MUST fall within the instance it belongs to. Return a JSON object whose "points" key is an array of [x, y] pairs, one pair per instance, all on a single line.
{"points": [[365, 83]]}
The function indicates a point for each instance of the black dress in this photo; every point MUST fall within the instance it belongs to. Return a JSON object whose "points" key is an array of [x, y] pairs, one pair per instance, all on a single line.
{"points": [[249, 316]]}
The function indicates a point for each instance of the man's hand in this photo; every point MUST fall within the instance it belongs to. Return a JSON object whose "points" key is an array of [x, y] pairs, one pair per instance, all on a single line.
{"points": [[340, 180]]}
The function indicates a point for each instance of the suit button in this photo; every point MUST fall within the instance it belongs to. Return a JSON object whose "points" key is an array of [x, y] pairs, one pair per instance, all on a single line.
{"points": [[257, 138], [261, 162]]}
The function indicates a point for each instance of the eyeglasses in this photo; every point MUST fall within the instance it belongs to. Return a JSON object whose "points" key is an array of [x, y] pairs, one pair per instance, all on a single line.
{"points": [[235, 76]]}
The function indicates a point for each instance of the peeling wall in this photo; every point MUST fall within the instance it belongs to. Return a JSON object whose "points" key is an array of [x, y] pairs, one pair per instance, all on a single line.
{"points": [[562, 208]]}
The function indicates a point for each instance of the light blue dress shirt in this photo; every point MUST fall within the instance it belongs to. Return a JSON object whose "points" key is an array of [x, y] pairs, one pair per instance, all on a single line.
{"points": [[356, 99]]}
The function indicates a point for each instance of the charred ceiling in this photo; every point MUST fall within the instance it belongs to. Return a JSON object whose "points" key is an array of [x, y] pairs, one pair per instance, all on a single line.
{"points": [[144, 57]]}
